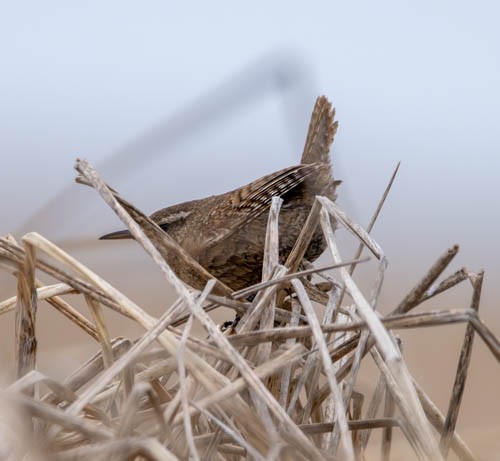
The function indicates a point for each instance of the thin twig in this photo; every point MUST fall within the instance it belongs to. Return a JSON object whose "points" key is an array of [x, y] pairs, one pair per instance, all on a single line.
{"points": [[461, 375]]}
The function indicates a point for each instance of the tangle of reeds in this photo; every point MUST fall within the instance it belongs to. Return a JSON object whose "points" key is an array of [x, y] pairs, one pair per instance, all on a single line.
{"points": [[278, 384]]}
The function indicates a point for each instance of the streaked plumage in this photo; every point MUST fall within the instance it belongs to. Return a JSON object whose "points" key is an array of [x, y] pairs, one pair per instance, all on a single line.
{"points": [[226, 233]]}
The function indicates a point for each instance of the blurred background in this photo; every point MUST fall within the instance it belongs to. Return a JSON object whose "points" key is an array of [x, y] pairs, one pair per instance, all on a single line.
{"points": [[174, 101]]}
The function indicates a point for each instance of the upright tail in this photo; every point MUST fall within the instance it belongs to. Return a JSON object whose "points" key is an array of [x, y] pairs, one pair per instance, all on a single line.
{"points": [[322, 129]]}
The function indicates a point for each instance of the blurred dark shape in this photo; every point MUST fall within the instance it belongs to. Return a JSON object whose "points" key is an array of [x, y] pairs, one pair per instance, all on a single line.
{"points": [[278, 73]]}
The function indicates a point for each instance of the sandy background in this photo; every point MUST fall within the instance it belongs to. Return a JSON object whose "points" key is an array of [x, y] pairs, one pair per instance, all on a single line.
{"points": [[173, 102]]}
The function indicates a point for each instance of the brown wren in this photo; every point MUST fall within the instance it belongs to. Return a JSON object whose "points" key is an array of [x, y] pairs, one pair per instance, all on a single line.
{"points": [[226, 233]]}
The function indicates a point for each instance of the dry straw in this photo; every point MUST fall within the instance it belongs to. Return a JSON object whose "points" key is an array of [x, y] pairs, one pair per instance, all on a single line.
{"points": [[280, 384]]}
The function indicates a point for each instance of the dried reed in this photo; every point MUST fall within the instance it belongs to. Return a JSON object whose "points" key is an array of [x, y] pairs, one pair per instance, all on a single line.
{"points": [[280, 384]]}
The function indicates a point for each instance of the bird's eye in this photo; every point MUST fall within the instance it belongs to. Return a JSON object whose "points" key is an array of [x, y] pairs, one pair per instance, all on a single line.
{"points": [[173, 219]]}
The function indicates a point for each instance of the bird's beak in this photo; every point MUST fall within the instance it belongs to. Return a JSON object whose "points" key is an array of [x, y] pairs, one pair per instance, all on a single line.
{"points": [[118, 235]]}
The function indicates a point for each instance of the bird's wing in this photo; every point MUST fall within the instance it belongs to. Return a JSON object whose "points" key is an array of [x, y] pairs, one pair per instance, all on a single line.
{"points": [[322, 129], [256, 196], [250, 201]]}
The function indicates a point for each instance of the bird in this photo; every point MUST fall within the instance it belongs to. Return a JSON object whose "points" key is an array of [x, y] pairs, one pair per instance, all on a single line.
{"points": [[226, 233]]}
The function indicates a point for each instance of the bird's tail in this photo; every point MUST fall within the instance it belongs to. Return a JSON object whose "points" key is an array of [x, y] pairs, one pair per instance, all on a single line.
{"points": [[322, 129]]}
